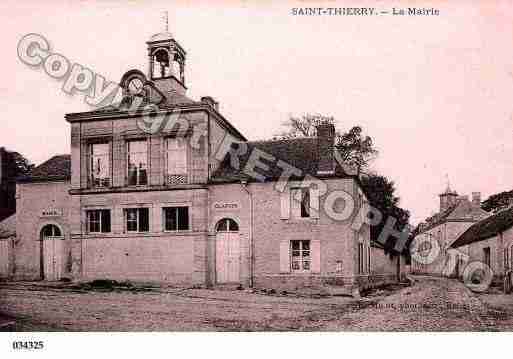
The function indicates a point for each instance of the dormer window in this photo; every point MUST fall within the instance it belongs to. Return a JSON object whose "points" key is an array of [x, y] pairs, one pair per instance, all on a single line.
{"points": [[99, 166]]}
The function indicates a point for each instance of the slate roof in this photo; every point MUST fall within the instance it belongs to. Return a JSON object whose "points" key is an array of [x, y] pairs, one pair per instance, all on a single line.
{"points": [[301, 153], [8, 227], [57, 168], [486, 228]]}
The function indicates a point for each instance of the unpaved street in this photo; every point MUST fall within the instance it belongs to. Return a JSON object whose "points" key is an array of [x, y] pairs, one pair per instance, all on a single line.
{"points": [[431, 304]]}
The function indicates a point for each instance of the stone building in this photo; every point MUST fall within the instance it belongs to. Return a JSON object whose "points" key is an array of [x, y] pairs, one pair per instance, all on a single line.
{"points": [[164, 188], [490, 242], [456, 214]]}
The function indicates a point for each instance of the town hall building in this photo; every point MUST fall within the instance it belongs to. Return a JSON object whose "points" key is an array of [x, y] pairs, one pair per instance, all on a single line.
{"points": [[164, 188]]}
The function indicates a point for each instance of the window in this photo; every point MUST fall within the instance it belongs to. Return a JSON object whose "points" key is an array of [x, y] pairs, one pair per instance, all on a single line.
{"points": [[486, 253], [361, 267], [368, 259], [100, 165], [176, 152], [300, 202], [227, 225], [98, 221], [137, 162], [176, 219], [511, 257], [137, 219], [300, 258], [51, 230]]}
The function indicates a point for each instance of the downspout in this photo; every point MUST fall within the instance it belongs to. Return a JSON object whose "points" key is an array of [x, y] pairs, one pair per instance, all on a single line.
{"points": [[244, 185], [210, 265], [211, 279]]}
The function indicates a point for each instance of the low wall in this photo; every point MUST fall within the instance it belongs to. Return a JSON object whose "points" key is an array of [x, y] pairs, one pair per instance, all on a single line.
{"points": [[323, 283]]}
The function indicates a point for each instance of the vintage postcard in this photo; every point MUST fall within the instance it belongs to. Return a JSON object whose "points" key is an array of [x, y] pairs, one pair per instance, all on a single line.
{"points": [[293, 166]]}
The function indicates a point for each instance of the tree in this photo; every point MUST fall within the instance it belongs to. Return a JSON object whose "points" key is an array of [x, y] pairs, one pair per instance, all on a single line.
{"points": [[22, 165], [498, 201], [304, 126], [355, 149], [381, 195], [13, 165]]}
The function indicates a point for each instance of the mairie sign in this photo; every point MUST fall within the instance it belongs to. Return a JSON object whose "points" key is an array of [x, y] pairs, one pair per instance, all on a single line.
{"points": [[51, 212]]}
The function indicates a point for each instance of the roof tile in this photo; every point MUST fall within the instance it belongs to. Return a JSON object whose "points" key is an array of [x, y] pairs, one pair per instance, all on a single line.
{"points": [[486, 228], [302, 153], [56, 168]]}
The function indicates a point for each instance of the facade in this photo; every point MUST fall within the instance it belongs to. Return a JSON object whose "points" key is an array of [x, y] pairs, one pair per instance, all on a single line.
{"points": [[456, 215], [489, 241], [187, 199]]}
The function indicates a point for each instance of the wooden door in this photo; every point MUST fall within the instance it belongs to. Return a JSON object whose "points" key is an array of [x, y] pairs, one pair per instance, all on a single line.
{"points": [[52, 258], [228, 257]]}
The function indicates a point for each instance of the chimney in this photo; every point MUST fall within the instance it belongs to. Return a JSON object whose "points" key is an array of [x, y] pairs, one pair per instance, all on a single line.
{"points": [[325, 147], [476, 198], [210, 101]]}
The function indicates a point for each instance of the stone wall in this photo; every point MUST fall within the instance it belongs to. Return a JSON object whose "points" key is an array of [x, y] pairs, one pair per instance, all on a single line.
{"points": [[33, 200], [338, 241]]}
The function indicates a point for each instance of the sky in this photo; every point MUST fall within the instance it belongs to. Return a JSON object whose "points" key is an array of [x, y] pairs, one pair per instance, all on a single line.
{"points": [[434, 92]]}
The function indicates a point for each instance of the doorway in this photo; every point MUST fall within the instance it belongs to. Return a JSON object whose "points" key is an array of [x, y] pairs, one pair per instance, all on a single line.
{"points": [[227, 251], [52, 254]]}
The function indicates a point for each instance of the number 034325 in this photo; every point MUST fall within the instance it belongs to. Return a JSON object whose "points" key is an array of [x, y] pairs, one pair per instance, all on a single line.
{"points": [[27, 345]]}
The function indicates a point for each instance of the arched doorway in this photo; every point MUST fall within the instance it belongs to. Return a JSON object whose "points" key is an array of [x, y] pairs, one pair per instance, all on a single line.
{"points": [[227, 251], [51, 252]]}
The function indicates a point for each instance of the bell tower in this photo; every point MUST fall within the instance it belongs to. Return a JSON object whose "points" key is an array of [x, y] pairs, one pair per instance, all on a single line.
{"points": [[448, 198], [166, 62]]}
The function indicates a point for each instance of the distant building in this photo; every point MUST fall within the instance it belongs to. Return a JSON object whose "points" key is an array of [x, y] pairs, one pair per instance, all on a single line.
{"points": [[456, 214], [489, 241]]}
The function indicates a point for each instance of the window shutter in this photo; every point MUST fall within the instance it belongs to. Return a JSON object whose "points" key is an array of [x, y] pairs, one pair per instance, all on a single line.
{"points": [[87, 168], [157, 219], [285, 204], [315, 252], [314, 202], [285, 256]]}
